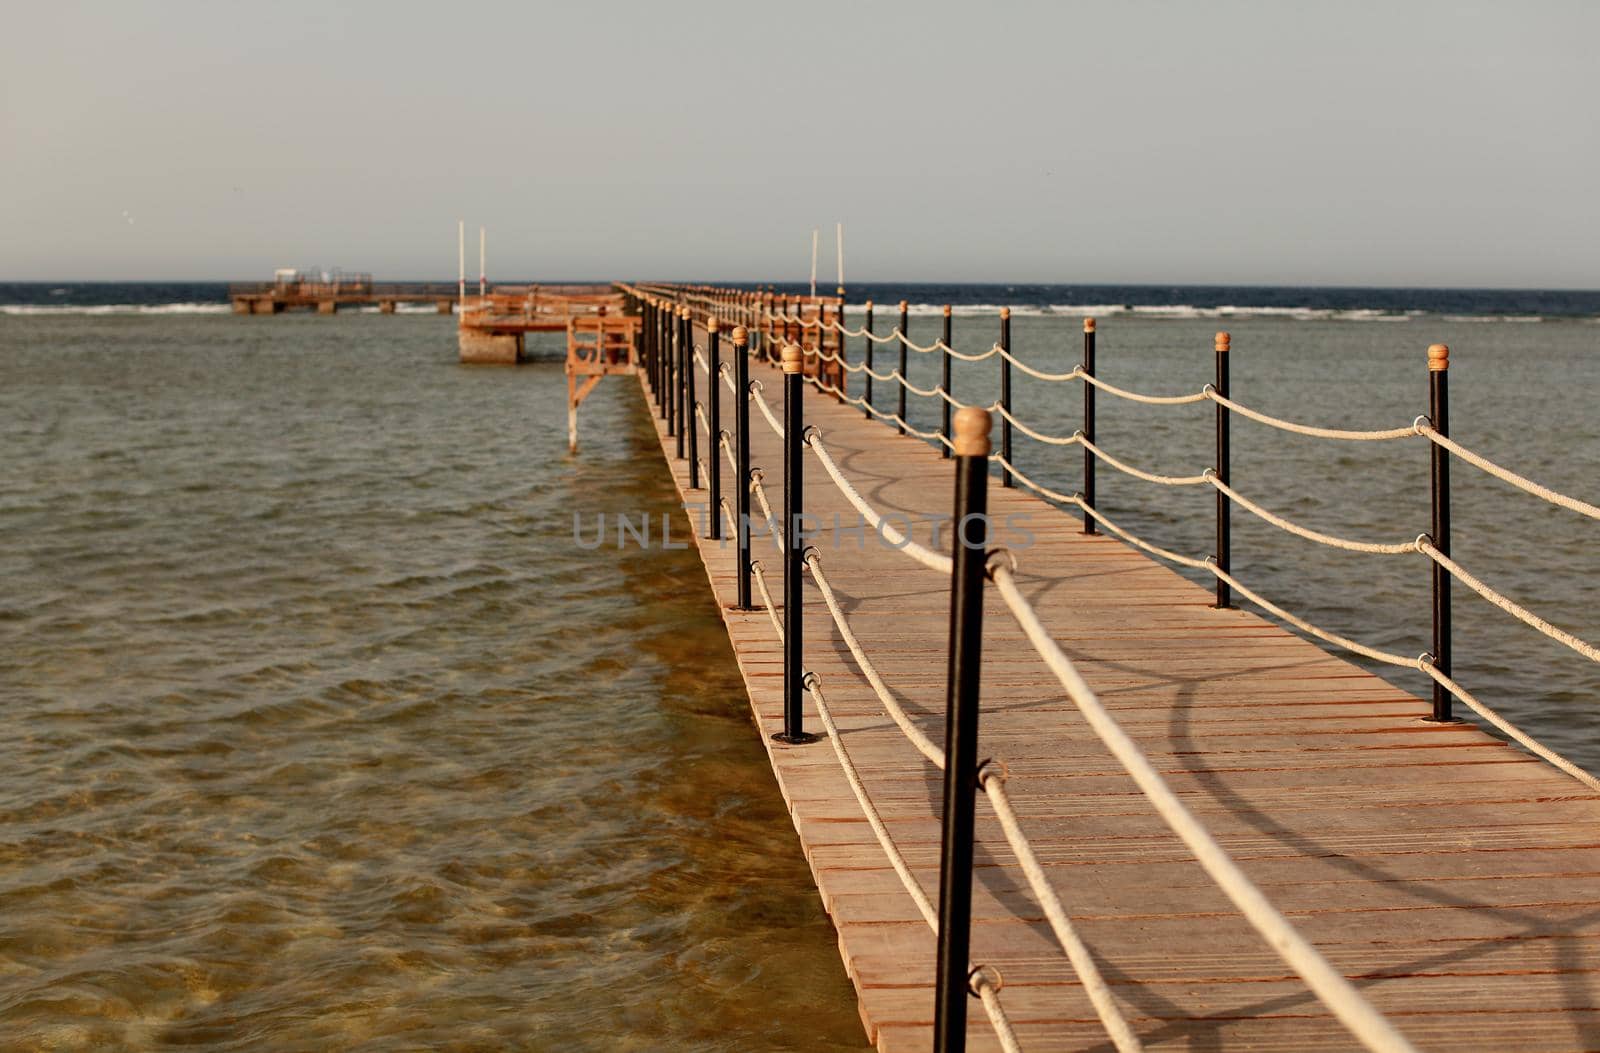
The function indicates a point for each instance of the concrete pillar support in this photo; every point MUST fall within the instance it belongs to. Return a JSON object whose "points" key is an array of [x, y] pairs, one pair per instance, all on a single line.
{"points": [[478, 346]]}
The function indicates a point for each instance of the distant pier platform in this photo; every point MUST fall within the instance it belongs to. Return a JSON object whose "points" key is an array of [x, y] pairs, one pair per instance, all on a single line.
{"points": [[328, 297]]}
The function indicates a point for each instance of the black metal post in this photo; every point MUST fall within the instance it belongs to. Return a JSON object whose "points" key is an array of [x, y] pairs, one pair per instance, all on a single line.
{"points": [[655, 353], [838, 317], [866, 327], [675, 393], [1006, 479], [944, 384], [647, 338], [1224, 474], [1088, 424], [952, 984], [900, 411], [714, 425], [686, 331], [742, 397], [663, 348], [791, 330], [794, 423], [1439, 416]]}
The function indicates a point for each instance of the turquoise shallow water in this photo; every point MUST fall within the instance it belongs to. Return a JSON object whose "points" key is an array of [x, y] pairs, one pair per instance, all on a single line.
{"points": [[325, 735]]}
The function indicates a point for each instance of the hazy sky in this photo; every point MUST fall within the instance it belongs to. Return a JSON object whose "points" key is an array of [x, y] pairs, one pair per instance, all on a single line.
{"points": [[1347, 143]]}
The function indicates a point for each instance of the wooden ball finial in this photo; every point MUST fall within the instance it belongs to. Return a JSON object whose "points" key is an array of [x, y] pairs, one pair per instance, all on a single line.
{"points": [[972, 426], [683, 312], [1438, 358], [1088, 325], [867, 305], [947, 310], [1222, 342], [902, 305], [741, 336], [711, 324], [1005, 312], [794, 359]]}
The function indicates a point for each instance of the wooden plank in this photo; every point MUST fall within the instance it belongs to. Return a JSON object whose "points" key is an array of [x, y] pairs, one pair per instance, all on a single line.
{"points": [[1455, 878]]}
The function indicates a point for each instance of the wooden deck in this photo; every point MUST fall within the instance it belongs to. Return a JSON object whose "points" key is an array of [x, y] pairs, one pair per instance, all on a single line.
{"points": [[1456, 879]]}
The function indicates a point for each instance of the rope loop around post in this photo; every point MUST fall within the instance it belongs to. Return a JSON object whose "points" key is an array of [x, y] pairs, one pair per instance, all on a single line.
{"points": [[990, 768], [979, 975], [997, 556]]}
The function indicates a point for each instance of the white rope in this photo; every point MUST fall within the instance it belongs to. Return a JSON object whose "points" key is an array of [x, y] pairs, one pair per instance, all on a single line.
{"points": [[770, 520], [1053, 440], [906, 340], [919, 739], [893, 374], [1387, 657], [892, 418], [924, 392], [1073, 374], [935, 561], [876, 339], [766, 411], [1342, 999], [1510, 730], [989, 994], [822, 385], [997, 1016], [1512, 608], [766, 597], [700, 414], [955, 403], [985, 990], [1505, 474], [1135, 396], [1307, 429], [1320, 538], [1083, 963], [1139, 473], [979, 357], [700, 360], [725, 440], [924, 905], [727, 377]]}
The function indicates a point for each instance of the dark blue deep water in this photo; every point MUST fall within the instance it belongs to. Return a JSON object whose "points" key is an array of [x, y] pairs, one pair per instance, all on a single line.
{"points": [[1353, 303]]}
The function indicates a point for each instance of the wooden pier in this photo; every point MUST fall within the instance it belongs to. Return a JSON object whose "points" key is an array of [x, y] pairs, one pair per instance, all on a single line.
{"points": [[1451, 877], [326, 297], [493, 326]]}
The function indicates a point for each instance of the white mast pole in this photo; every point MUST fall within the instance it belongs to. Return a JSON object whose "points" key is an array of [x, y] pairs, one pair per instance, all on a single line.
{"points": [[461, 272], [483, 272], [813, 263]]}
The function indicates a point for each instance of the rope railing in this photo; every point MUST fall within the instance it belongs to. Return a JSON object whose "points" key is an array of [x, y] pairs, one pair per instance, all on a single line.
{"points": [[1420, 427], [1477, 460], [1139, 473], [1137, 396], [1424, 663], [993, 783], [1332, 988], [1347, 1004], [774, 330], [977, 978]]}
